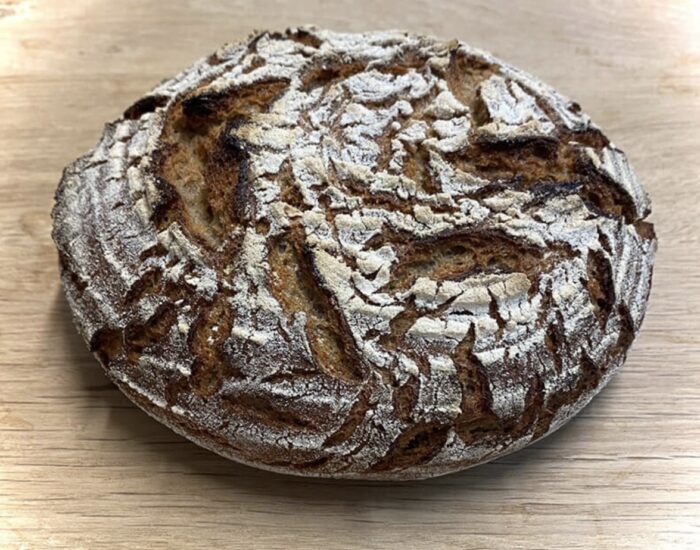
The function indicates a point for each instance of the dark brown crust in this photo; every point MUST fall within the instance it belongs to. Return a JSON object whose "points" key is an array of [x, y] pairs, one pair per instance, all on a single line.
{"points": [[293, 386]]}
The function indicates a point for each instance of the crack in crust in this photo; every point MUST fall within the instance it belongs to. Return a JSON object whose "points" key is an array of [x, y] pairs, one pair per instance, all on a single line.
{"points": [[293, 284], [374, 256]]}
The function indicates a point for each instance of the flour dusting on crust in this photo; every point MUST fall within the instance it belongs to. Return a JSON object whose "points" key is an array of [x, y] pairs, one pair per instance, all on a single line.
{"points": [[367, 255]]}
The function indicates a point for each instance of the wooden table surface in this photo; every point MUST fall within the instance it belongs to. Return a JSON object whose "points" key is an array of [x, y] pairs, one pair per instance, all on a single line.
{"points": [[80, 467]]}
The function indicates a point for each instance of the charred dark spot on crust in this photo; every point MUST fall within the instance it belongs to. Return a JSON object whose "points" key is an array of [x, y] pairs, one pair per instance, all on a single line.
{"points": [[606, 200], [552, 343], [234, 149], [600, 285], [254, 38], [205, 164], [544, 192], [305, 37], [495, 314], [226, 174], [146, 104], [201, 112], [602, 195], [293, 375], [589, 136], [198, 110], [415, 446], [626, 335], [590, 375], [328, 73], [107, 343], [540, 148], [604, 241], [167, 204], [138, 337]]}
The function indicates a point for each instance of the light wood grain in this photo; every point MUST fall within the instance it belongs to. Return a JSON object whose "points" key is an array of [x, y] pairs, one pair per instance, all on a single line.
{"points": [[80, 467]]}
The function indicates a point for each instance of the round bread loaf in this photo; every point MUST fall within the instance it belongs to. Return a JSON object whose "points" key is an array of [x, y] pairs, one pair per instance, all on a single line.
{"points": [[369, 255]]}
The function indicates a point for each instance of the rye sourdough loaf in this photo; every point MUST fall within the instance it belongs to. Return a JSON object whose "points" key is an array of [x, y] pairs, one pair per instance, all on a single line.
{"points": [[372, 255]]}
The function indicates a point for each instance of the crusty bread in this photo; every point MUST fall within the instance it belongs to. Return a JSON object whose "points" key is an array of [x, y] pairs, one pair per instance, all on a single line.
{"points": [[355, 255]]}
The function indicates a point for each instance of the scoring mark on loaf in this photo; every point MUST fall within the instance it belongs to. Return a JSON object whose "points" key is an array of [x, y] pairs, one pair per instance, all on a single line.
{"points": [[373, 255], [293, 283]]}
